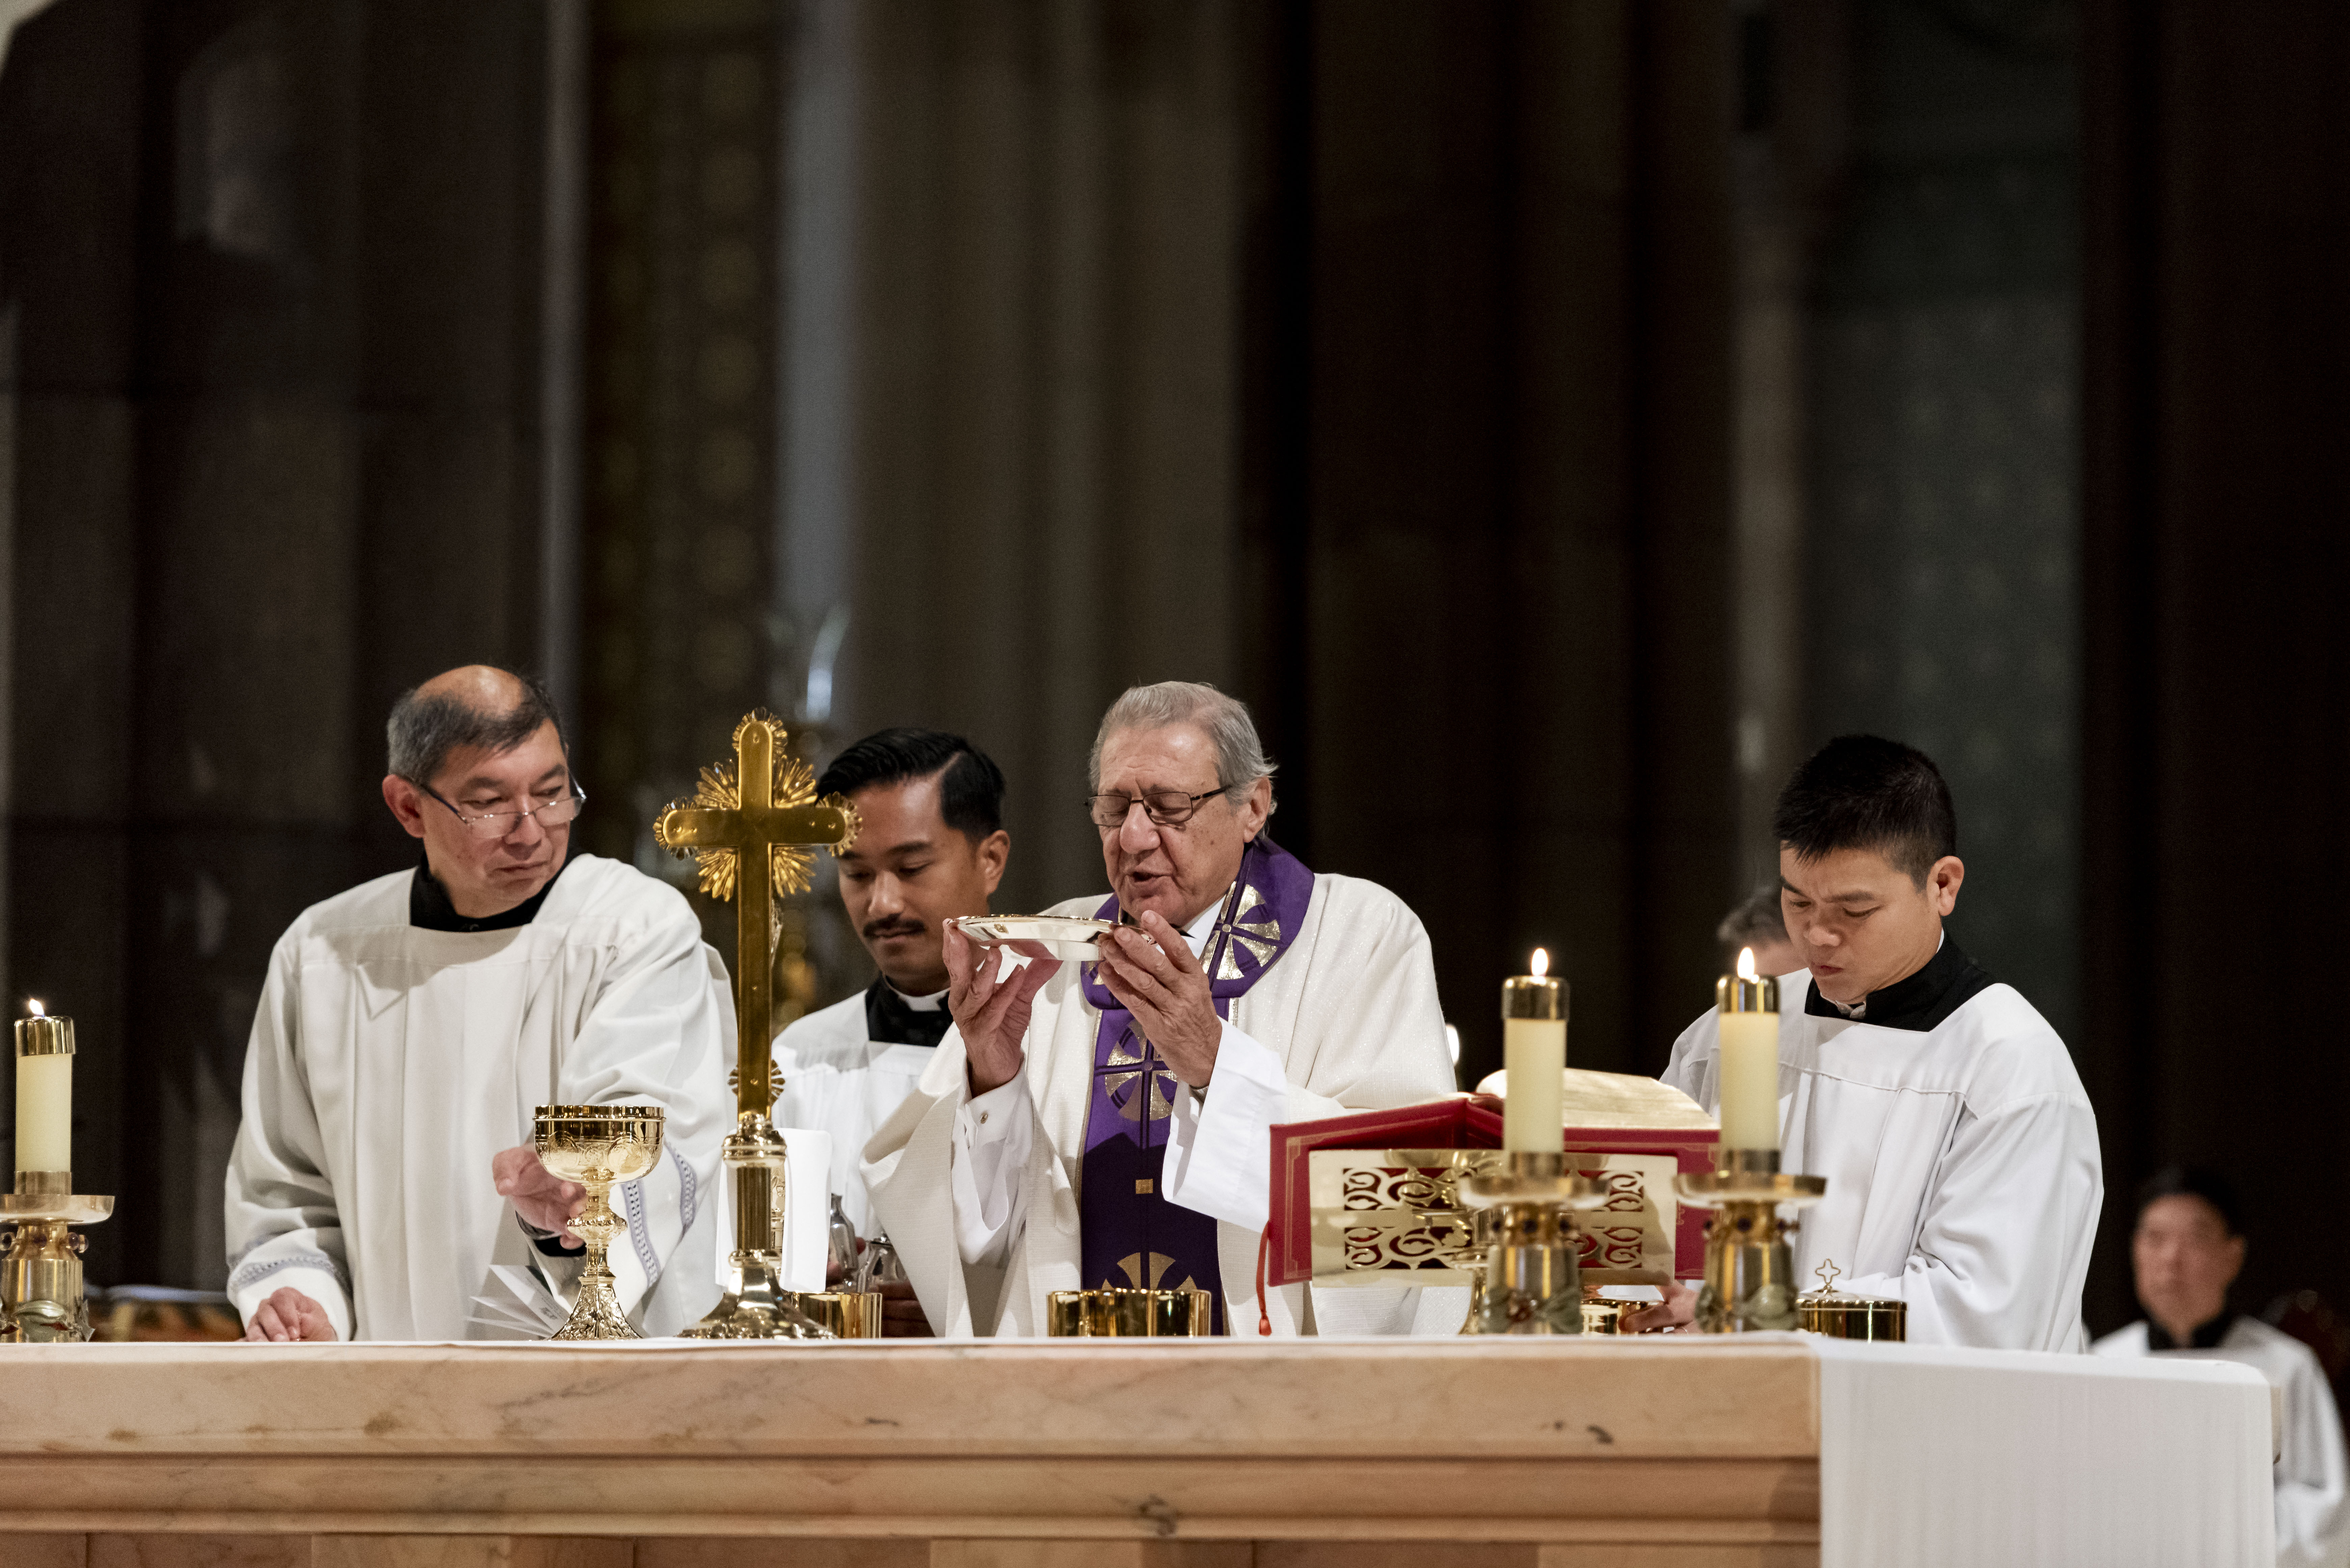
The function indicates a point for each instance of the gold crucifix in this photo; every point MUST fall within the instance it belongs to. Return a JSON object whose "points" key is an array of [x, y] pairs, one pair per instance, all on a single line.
{"points": [[757, 813], [752, 825]]}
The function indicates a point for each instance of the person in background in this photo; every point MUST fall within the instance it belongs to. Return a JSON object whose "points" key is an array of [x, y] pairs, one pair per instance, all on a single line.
{"points": [[1756, 924], [2187, 1249]]}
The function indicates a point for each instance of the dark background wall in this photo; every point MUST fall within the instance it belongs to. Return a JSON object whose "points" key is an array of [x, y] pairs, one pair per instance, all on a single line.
{"points": [[273, 273], [1553, 416], [2214, 742]]}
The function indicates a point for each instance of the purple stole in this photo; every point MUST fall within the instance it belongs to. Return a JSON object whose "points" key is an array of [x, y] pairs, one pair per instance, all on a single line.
{"points": [[1129, 1236]]}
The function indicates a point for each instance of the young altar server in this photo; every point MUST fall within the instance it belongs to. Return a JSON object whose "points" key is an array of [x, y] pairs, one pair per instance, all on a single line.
{"points": [[1959, 1149], [1108, 1124], [932, 847], [2187, 1250], [410, 1027]]}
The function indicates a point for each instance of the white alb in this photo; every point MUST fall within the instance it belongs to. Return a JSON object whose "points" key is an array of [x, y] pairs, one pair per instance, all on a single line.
{"points": [[389, 1063]]}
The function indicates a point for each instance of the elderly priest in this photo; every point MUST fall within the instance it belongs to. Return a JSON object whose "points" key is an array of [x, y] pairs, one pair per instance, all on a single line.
{"points": [[1960, 1148], [1108, 1125], [410, 1026]]}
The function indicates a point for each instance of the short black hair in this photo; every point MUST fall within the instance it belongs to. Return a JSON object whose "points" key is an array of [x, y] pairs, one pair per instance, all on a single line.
{"points": [[422, 731], [1862, 792], [970, 792], [2193, 1181], [1757, 917]]}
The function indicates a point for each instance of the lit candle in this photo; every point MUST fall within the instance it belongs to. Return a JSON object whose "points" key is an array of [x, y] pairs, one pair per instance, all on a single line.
{"points": [[45, 1053], [1748, 1017], [1534, 1054]]}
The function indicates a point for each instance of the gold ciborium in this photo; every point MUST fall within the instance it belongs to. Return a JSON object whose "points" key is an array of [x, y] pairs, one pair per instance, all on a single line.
{"points": [[596, 1146]]}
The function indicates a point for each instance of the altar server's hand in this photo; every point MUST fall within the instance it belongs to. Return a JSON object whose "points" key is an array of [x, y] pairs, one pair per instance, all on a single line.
{"points": [[902, 1314], [992, 1014], [540, 1197], [1154, 975], [1678, 1310], [288, 1315]]}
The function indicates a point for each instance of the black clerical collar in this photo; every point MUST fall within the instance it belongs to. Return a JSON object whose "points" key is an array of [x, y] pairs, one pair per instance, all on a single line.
{"points": [[2206, 1337], [888, 1020], [1923, 1002], [429, 907]]}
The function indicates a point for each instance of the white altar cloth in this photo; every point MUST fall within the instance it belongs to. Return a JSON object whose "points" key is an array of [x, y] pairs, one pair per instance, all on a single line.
{"points": [[1933, 1457]]}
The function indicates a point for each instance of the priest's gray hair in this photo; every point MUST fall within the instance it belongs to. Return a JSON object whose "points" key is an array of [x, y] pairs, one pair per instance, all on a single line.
{"points": [[425, 729], [1240, 755]]}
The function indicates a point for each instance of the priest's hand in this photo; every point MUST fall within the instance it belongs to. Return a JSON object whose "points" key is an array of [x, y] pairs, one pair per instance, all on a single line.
{"points": [[992, 1012], [1678, 1310], [288, 1315], [902, 1314], [541, 1198], [1155, 976]]}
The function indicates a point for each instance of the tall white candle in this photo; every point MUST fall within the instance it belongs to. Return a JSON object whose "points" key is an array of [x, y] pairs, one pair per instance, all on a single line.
{"points": [[1533, 1055], [1748, 1013], [45, 1054]]}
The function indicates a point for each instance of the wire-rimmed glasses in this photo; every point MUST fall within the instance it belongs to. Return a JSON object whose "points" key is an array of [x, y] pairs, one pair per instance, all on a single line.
{"points": [[1166, 807], [488, 824]]}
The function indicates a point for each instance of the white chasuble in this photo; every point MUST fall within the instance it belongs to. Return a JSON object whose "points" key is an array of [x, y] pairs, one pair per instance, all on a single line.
{"points": [[1346, 1019], [1959, 1149], [2311, 1481], [390, 1063]]}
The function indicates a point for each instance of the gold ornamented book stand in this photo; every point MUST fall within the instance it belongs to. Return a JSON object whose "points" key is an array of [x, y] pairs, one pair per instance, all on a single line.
{"points": [[1532, 1281], [596, 1146], [750, 827]]}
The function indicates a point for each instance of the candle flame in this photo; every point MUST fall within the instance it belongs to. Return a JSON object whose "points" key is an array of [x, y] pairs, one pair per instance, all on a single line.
{"points": [[1539, 965], [1746, 963], [35, 1003]]}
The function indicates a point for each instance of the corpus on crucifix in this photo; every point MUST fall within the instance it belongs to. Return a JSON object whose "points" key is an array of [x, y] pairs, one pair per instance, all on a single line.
{"points": [[752, 827]]}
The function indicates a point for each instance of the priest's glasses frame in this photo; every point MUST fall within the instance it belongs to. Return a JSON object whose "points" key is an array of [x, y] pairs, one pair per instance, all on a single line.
{"points": [[493, 824], [1165, 807]]}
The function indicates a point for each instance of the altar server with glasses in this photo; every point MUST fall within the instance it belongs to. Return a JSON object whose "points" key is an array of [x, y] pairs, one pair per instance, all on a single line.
{"points": [[1108, 1125], [409, 1028], [1960, 1148]]}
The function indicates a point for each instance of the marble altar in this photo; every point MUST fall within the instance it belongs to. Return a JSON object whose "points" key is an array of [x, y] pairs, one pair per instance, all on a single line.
{"points": [[1529, 1453]]}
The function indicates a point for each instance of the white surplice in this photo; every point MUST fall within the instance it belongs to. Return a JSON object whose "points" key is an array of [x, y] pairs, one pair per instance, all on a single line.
{"points": [[2313, 1481], [390, 1063], [1961, 1163], [837, 1079], [1346, 1019]]}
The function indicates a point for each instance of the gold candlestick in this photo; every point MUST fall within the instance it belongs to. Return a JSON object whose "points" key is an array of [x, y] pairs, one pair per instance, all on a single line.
{"points": [[1532, 1280], [1750, 1283], [42, 1297], [596, 1146]]}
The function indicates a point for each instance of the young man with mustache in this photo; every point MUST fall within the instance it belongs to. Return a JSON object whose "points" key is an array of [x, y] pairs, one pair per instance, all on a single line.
{"points": [[932, 847]]}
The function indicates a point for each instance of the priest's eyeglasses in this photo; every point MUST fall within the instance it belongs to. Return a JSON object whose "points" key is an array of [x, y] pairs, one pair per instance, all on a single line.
{"points": [[563, 808], [1167, 808]]}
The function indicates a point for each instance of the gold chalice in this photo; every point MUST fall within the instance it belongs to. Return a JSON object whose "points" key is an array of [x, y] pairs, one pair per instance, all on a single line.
{"points": [[596, 1146]]}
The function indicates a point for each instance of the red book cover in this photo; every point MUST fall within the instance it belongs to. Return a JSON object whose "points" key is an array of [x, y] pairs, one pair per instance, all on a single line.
{"points": [[1457, 1123]]}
